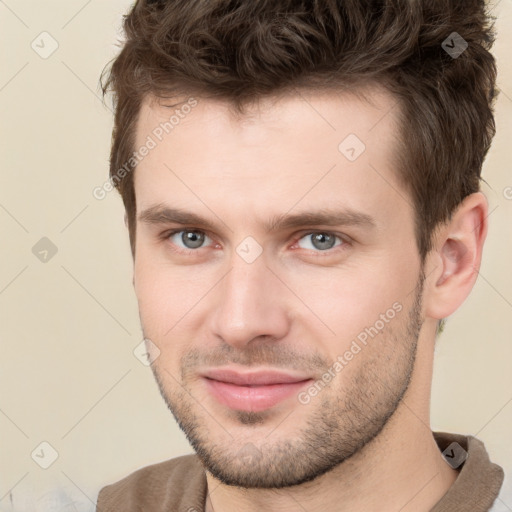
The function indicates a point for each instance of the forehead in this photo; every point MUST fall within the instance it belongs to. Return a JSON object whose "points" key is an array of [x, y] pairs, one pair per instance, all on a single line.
{"points": [[318, 149], [368, 112]]}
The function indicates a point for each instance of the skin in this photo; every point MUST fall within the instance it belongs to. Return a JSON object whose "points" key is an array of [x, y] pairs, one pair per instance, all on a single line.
{"points": [[363, 442]]}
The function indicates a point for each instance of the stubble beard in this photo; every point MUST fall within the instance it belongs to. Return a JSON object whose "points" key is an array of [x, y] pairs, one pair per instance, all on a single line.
{"points": [[340, 425]]}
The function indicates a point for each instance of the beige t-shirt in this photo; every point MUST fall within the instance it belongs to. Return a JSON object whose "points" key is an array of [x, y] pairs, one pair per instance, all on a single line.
{"points": [[179, 485]]}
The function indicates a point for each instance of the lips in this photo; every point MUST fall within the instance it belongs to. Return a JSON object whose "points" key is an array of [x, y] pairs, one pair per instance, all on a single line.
{"points": [[253, 391]]}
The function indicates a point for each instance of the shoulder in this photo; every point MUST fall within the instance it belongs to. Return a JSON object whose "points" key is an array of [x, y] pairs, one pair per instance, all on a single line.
{"points": [[176, 484]]}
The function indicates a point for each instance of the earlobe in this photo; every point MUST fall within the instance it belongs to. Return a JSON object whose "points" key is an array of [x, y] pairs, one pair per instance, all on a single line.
{"points": [[458, 251]]}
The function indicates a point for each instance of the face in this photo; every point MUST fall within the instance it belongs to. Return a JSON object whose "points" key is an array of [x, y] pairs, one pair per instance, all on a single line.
{"points": [[278, 280]]}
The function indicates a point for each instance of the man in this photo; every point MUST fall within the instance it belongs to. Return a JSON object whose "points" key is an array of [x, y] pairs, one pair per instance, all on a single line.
{"points": [[301, 184]]}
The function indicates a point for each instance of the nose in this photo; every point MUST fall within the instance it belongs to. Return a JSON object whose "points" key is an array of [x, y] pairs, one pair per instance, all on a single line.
{"points": [[251, 305]]}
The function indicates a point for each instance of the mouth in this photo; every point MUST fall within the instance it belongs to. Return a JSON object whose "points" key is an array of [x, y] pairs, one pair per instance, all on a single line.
{"points": [[253, 391]]}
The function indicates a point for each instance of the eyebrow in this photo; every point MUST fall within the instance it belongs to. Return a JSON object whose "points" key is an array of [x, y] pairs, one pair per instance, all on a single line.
{"points": [[162, 214]]}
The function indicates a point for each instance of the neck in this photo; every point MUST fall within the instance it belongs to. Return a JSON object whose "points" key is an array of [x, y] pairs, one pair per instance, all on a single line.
{"points": [[391, 473], [401, 469]]}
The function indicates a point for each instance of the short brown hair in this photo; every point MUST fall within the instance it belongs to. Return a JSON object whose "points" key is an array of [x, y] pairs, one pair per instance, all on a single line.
{"points": [[240, 50]]}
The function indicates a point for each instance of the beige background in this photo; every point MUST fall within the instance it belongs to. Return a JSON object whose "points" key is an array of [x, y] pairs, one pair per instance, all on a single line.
{"points": [[69, 326]]}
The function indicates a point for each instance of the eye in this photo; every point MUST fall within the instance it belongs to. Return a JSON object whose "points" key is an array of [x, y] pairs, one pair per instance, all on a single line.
{"points": [[319, 241], [189, 239]]}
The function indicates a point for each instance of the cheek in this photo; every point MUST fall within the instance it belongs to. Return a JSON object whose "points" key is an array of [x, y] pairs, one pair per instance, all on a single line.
{"points": [[342, 303], [158, 298], [168, 297], [160, 313]]}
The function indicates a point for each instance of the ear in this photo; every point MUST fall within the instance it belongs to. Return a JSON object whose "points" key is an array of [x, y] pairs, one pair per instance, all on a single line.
{"points": [[456, 257]]}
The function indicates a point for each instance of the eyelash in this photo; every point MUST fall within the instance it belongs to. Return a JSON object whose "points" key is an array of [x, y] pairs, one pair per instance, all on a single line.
{"points": [[345, 241]]}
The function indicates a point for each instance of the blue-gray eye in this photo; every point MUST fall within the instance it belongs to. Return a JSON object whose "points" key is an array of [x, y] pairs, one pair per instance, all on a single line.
{"points": [[320, 241], [189, 238]]}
